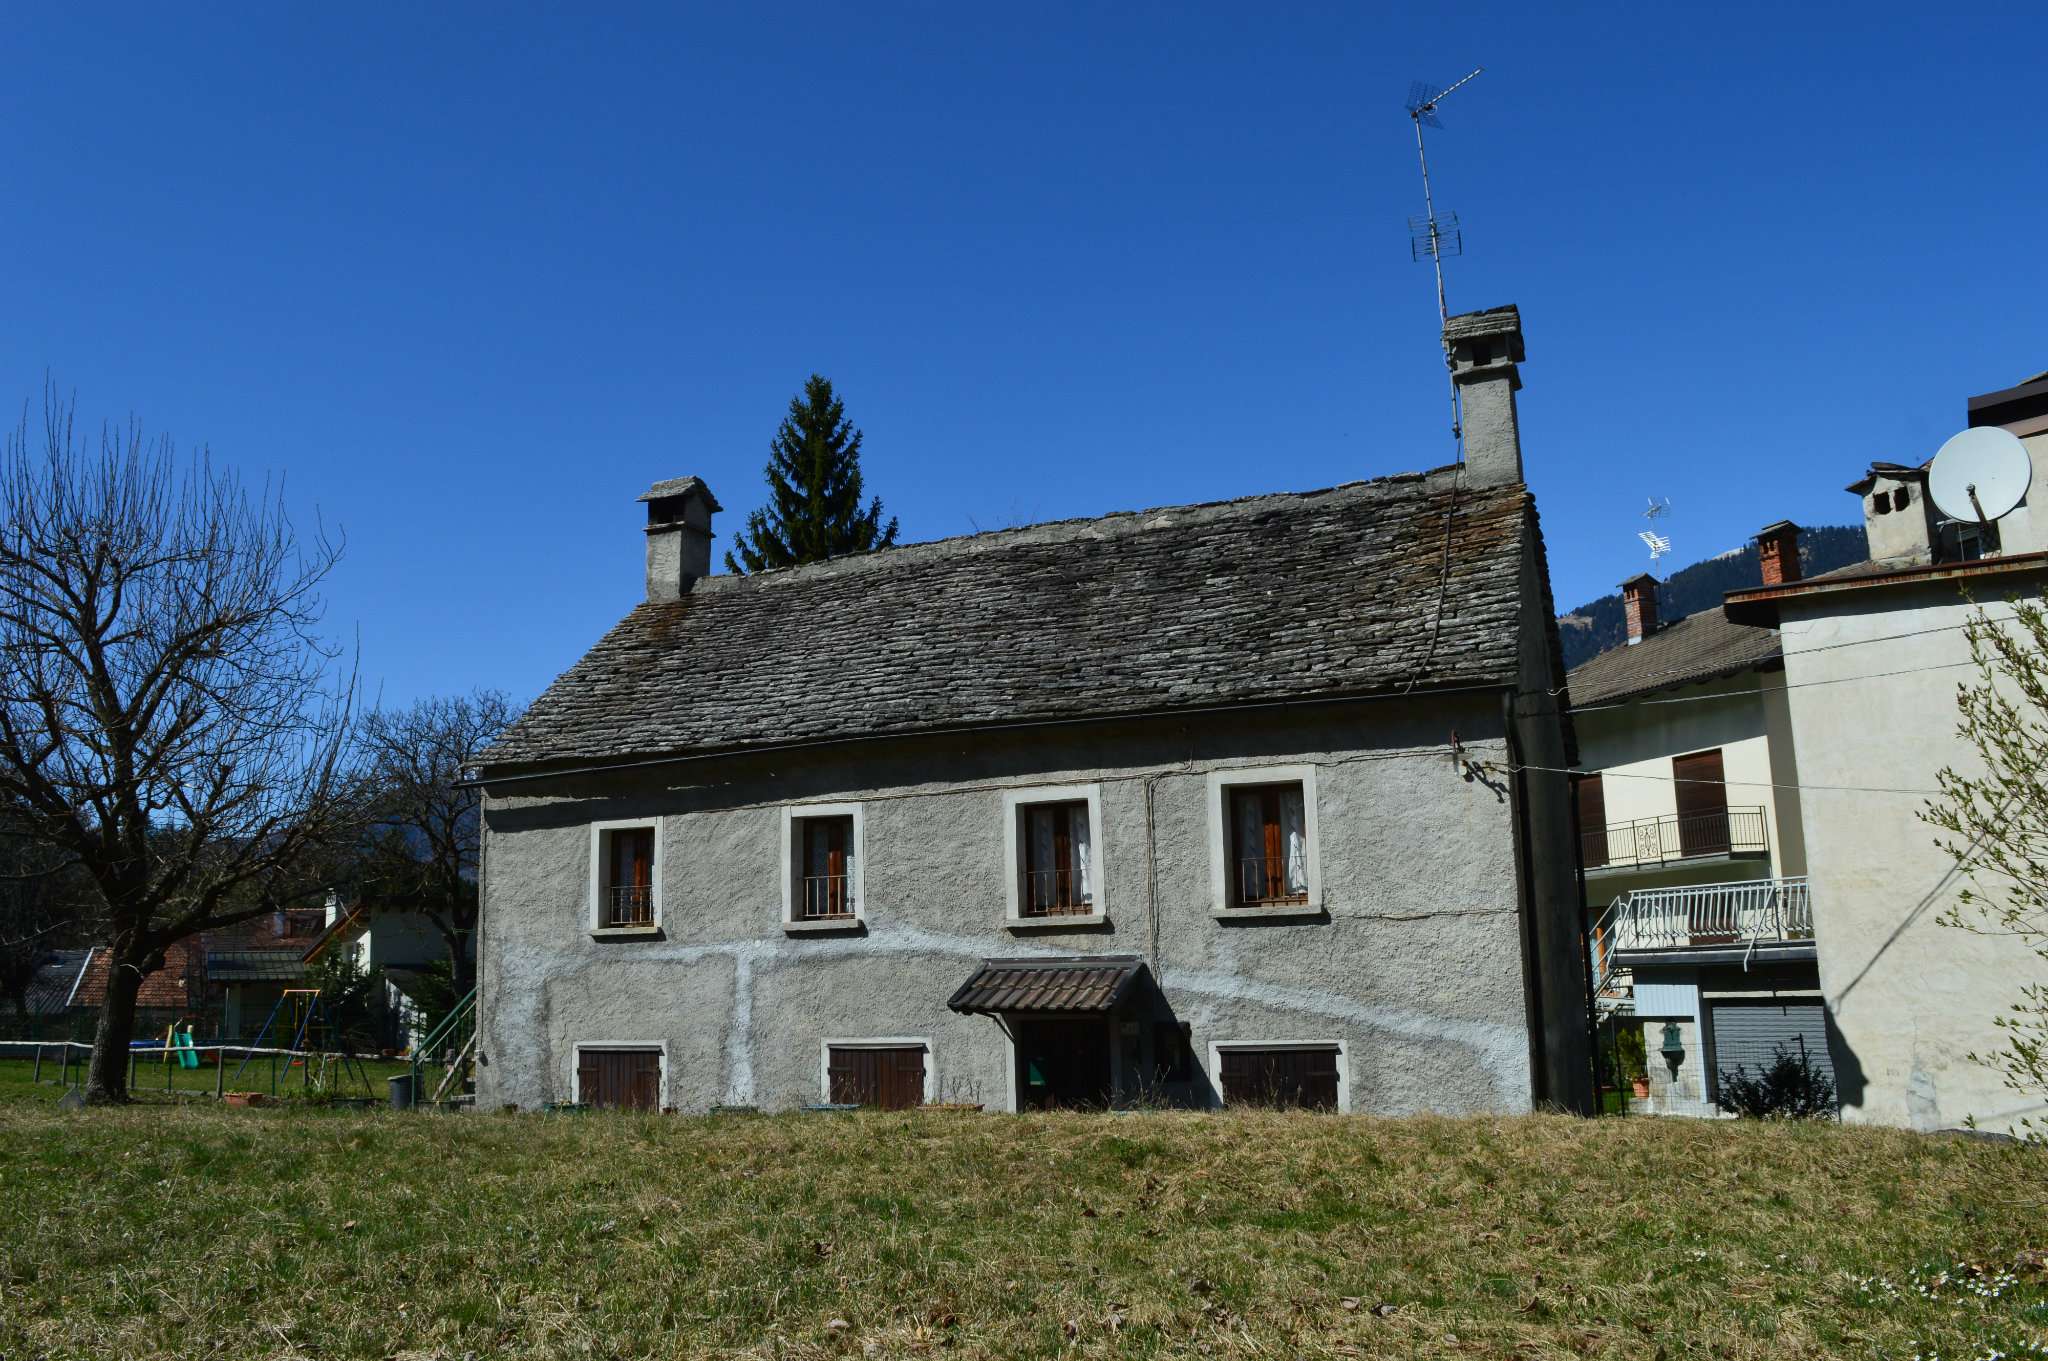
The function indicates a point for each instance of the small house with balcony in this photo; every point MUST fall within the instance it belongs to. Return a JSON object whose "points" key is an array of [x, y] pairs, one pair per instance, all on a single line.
{"points": [[1692, 845], [1253, 802]]}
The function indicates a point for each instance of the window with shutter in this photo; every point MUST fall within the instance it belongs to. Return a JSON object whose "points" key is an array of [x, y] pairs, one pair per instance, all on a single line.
{"points": [[891, 1077], [618, 1078], [1291, 1077], [1269, 847]]}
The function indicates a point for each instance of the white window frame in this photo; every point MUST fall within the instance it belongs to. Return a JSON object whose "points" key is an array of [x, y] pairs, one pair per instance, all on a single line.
{"points": [[576, 1056], [599, 832], [792, 848], [1216, 1048], [1221, 783], [826, 1046], [1015, 801]]}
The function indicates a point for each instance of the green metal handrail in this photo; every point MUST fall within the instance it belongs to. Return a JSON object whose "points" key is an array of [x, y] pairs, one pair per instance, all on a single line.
{"points": [[441, 1035]]}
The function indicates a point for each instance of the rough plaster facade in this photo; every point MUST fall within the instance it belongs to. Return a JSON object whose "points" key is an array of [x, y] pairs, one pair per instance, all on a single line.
{"points": [[1872, 679], [1415, 966]]}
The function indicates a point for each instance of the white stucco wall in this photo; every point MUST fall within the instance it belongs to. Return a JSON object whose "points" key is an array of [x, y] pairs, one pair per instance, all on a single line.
{"points": [[1911, 998], [1632, 746]]}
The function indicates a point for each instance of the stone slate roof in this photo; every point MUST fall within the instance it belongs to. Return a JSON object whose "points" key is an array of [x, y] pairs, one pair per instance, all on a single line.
{"points": [[1699, 647], [50, 987], [1083, 985], [1328, 593]]}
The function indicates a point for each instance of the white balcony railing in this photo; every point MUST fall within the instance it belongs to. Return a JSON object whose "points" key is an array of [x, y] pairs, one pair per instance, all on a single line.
{"points": [[1702, 917]]}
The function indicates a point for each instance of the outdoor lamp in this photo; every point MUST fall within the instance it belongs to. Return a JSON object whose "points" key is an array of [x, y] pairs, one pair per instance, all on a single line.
{"points": [[1674, 1046]]}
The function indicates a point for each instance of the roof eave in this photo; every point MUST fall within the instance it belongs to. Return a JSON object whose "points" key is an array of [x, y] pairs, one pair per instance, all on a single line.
{"points": [[1760, 605]]}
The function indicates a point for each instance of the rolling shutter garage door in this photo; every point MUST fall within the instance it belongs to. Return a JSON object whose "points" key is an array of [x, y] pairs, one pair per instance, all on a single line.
{"points": [[1747, 1034]]}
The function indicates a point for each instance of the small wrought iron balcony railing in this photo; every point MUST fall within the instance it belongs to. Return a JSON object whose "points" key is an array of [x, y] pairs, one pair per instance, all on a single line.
{"points": [[1659, 841], [629, 905], [1702, 917], [1054, 893], [1262, 882], [826, 897]]}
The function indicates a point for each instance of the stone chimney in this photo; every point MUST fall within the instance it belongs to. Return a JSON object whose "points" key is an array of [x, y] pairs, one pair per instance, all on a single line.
{"points": [[1898, 518], [1777, 551], [679, 515], [1639, 598], [1483, 349]]}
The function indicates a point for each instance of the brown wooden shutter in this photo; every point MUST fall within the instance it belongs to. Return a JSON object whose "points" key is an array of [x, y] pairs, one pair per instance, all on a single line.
{"points": [[1592, 821], [586, 1078], [1702, 803], [1276, 845], [1289, 1078]]}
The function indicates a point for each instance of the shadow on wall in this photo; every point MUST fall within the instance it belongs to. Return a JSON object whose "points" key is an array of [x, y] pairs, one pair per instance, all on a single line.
{"points": [[1850, 1083]]}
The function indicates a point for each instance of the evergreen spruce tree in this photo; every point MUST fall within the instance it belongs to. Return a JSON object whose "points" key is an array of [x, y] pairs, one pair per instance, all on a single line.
{"points": [[814, 508]]}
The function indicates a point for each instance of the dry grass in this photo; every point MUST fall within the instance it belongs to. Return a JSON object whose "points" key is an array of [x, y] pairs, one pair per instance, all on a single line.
{"points": [[205, 1232]]}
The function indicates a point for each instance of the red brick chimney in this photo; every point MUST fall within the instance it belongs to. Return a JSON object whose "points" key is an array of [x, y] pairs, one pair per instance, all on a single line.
{"points": [[1639, 598], [1777, 550]]}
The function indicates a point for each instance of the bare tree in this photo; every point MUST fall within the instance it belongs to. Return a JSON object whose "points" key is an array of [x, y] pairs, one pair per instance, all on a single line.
{"points": [[38, 911], [423, 852], [170, 722], [1994, 825]]}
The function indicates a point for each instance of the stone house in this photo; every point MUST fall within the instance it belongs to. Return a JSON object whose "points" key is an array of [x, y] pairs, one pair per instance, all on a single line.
{"points": [[1253, 801]]}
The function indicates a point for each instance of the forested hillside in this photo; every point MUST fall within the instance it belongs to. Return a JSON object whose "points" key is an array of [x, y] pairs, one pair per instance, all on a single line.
{"points": [[1598, 625]]}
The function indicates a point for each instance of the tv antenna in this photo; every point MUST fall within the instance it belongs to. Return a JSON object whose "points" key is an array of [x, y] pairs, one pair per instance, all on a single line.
{"points": [[1429, 234], [1658, 544]]}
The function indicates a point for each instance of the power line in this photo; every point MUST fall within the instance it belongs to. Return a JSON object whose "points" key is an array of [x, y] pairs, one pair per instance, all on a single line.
{"points": [[1746, 694], [1824, 647], [1741, 784]]}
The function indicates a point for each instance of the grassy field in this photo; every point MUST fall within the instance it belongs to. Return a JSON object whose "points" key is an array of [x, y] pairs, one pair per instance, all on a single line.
{"points": [[153, 1077], [186, 1229]]}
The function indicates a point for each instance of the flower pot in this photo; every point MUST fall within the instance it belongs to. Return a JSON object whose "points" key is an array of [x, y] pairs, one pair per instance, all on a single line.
{"points": [[1640, 1087]]}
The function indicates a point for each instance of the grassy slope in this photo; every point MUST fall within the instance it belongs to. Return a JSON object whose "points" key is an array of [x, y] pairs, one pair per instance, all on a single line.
{"points": [[198, 1231]]}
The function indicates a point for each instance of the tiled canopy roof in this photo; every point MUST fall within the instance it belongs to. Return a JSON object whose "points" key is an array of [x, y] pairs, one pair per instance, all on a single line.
{"points": [[1698, 647], [1328, 593], [1090, 985]]}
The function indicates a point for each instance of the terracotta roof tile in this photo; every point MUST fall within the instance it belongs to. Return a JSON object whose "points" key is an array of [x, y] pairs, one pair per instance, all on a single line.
{"points": [[1084, 985]]}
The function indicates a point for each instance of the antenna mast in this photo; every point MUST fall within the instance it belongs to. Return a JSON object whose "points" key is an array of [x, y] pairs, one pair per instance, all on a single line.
{"points": [[1437, 237]]}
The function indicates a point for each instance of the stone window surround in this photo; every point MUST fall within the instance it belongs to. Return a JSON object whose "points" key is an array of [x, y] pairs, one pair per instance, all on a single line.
{"points": [[827, 1045], [1216, 1048], [792, 848], [1014, 802], [1220, 783], [594, 913], [575, 1062]]}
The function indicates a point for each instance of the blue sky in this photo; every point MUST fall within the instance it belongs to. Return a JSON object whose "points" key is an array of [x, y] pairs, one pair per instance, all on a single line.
{"points": [[472, 278]]}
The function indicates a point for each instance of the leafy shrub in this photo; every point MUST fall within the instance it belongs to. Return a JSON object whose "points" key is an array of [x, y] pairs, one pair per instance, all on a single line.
{"points": [[1790, 1089], [1630, 1056]]}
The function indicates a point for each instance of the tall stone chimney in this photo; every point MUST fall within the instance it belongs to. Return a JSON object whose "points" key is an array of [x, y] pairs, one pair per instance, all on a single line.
{"points": [[1639, 598], [679, 515], [1483, 349], [1777, 552]]}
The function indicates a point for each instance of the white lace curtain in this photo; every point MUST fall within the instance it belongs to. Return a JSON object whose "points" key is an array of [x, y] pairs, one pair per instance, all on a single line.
{"points": [[1251, 805], [1043, 822]]}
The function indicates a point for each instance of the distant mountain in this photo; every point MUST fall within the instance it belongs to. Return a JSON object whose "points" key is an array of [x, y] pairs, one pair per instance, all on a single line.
{"points": [[1598, 625]]}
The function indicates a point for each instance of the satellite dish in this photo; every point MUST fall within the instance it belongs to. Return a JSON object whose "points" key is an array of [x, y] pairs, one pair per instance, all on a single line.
{"points": [[1980, 475]]}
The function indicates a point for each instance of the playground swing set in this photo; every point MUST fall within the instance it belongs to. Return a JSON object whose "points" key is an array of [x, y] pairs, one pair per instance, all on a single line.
{"points": [[306, 1018]]}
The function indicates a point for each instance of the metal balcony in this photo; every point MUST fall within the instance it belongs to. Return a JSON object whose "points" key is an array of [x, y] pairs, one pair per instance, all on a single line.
{"points": [[1650, 842], [1769, 917]]}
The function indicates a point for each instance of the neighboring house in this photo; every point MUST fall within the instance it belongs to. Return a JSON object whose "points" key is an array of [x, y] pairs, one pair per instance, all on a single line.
{"points": [[1693, 847], [1260, 800], [1873, 655], [226, 983], [170, 995], [46, 1001], [406, 946]]}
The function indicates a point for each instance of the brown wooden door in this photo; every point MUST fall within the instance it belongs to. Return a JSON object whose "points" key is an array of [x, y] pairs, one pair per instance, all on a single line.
{"points": [[892, 1079], [1702, 803], [619, 1079], [1290, 1078], [1592, 821]]}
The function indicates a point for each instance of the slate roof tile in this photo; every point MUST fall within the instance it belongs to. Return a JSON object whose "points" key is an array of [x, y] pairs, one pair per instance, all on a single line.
{"points": [[1265, 598]]}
